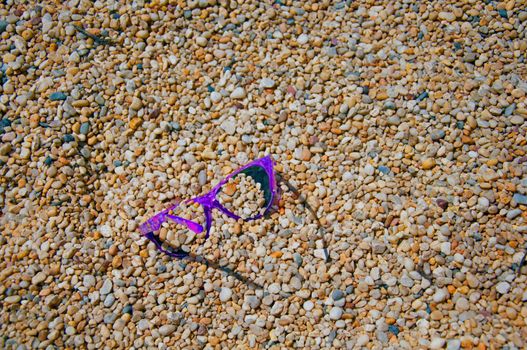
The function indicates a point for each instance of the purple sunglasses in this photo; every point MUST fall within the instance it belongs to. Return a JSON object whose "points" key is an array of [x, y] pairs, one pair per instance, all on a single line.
{"points": [[261, 170]]}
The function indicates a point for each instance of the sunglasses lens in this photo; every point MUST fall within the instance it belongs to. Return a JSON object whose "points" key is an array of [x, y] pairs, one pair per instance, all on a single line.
{"points": [[247, 194], [179, 236]]}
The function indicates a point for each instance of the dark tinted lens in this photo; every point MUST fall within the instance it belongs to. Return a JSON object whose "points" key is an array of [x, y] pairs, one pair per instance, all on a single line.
{"points": [[247, 194]]}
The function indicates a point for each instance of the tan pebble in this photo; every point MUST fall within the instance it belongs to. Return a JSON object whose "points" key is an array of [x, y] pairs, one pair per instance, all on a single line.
{"points": [[428, 163], [80, 103], [208, 155], [135, 123], [117, 261], [214, 341]]}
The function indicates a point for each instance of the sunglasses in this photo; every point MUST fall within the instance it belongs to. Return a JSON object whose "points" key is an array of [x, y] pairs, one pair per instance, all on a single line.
{"points": [[261, 178]]}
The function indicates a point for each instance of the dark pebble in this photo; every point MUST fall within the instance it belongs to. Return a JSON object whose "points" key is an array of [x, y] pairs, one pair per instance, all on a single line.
{"points": [[85, 128], [57, 96], [503, 14], [422, 96], [210, 88], [117, 163], [3, 26], [128, 309], [460, 125], [509, 110], [383, 169], [337, 294], [393, 329], [443, 204], [48, 161], [68, 138]]}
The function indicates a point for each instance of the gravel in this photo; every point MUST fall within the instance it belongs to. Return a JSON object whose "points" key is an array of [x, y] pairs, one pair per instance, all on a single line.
{"points": [[401, 124]]}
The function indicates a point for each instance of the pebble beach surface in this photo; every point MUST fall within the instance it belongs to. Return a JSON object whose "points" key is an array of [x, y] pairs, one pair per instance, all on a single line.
{"points": [[403, 123]]}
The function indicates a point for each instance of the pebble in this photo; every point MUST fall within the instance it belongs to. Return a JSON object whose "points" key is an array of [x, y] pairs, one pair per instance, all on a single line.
{"points": [[88, 281], [167, 329], [106, 287], [238, 93], [337, 294], [308, 305], [503, 287], [428, 164], [335, 313], [520, 198], [512, 214], [215, 97], [302, 39], [453, 344], [448, 16], [58, 96], [437, 343], [267, 83], [225, 294]]}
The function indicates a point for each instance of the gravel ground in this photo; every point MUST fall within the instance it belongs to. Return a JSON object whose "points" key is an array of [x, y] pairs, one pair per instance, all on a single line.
{"points": [[402, 123]]}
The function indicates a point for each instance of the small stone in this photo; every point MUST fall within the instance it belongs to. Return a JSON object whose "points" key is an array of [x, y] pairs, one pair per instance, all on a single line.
{"points": [[335, 313], [267, 83], [453, 344], [428, 164], [520, 198], [136, 104], [238, 93], [462, 304], [308, 305], [447, 16], [362, 340], [135, 123], [88, 281], [253, 301], [106, 287], [58, 96], [337, 294], [440, 295], [85, 128], [229, 126], [503, 287], [441, 203], [302, 39], [321, 254], [167, 329], [437, 135], [39, 278], [437, 343], [445, 248], [143, 325], [225, 294], [517, 120], [12, 299], [512, 214], [369, 169], [215, 97], [201, 41]]}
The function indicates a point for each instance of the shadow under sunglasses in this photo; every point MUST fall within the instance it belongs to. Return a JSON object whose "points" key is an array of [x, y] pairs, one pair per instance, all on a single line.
{"points": [[245, 280]]}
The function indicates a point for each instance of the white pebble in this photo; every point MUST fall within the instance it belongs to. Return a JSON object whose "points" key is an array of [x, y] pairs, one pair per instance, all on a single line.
{"points": [[503, 287], [238, 93], [225, 294]]}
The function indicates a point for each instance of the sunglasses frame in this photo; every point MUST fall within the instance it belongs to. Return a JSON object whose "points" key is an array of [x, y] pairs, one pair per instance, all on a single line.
{"points": [[209, 202]]}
